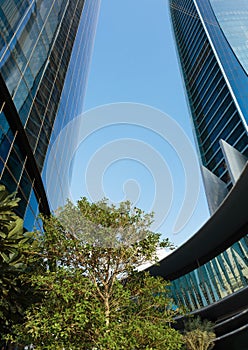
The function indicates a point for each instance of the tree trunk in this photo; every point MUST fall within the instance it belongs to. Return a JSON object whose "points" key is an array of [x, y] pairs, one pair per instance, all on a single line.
{"points": [[107, 311]]}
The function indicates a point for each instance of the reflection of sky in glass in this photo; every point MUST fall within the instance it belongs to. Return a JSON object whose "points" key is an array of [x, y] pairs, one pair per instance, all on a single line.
{"points": [[233, 19], [71, 104]]}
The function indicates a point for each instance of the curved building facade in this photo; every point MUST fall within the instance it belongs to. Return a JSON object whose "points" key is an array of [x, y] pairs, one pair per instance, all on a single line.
{"points": [[209, 272], [45, 51], [218, 278]]}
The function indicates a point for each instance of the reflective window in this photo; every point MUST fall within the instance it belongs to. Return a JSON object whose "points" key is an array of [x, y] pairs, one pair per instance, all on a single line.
{"points": [[233, 19], [41, 50], [221, 276], [214, 111], [71, 106]]}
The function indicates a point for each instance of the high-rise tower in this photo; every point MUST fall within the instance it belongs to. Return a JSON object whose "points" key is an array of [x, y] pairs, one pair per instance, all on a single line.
{"points": [[45, 50], [211, 39], [209, 272]]}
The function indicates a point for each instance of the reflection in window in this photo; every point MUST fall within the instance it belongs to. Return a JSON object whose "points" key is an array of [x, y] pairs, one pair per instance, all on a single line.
{"points": [[225, 274], [233, 19]]}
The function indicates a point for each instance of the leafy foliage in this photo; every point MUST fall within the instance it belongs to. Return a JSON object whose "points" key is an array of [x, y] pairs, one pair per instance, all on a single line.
{"points": [[199, 334], [94, 298], [13, 244]]}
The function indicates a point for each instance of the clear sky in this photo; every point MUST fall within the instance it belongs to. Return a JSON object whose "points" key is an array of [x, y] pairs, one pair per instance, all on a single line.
{"points": [[134, 61]]}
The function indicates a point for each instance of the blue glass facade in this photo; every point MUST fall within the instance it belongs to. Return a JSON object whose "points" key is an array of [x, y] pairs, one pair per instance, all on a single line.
{"points": [[71, 106], [225, 274], [40, 49], [215, 81], [233, 20]]}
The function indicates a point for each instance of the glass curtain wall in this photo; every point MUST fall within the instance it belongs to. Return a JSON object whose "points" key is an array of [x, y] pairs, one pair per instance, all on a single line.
{"points": [[225, 274], [68, 119], [216, 97], [36, 47]]}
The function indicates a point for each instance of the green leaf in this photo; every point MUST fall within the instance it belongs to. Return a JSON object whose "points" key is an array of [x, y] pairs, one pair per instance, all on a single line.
{"points": [[92, 296]]}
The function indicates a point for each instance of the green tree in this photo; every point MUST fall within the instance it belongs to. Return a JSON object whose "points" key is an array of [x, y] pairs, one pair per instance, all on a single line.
{"points": [[13, 244], [94, 298], [199, 334]]}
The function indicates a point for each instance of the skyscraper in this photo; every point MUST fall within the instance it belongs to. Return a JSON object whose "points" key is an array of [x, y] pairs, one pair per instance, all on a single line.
{"points": [[209, 272], [211, 39], [45, 52]]}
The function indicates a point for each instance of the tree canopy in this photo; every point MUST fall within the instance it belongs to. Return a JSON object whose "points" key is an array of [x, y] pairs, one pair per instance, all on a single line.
{"points": [[93, 296]]}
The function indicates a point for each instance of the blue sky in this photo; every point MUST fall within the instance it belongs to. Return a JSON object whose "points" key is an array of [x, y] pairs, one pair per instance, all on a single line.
{"points": [[134, 61]]}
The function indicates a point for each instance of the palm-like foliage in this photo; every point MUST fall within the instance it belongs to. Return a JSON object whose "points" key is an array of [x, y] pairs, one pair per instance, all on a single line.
{"points": [[11, 229], [7, 203], [199, 334], [13, 243]]}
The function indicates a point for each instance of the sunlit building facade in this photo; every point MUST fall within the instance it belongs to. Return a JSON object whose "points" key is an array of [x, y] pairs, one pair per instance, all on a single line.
{"points": [[45, 51]]}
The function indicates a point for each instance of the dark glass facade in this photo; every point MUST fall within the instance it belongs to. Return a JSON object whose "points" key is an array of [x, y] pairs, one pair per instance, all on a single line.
{"points": [[216, 81], [43, 43]]}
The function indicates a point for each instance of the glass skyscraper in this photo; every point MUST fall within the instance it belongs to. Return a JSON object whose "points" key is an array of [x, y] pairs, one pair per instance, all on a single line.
{"points": [[212, 43], [45, 51], [209, 273]]}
